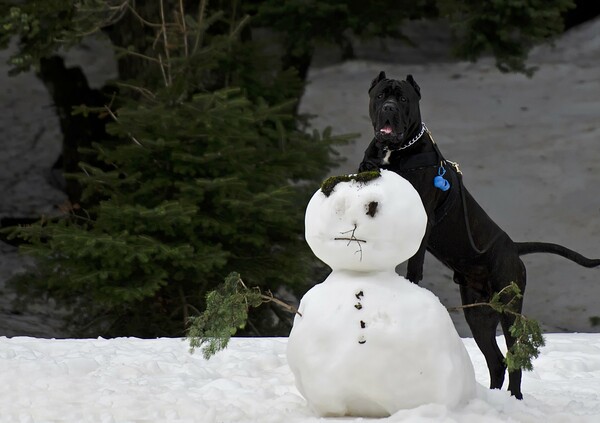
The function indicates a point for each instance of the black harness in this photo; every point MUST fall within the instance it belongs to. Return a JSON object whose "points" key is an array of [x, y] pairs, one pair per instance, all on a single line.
{"points": [[434, 159]]}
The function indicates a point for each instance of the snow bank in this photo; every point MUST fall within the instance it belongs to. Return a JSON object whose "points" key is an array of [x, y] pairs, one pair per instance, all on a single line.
{"points": [[580, 44], [126, 380]]}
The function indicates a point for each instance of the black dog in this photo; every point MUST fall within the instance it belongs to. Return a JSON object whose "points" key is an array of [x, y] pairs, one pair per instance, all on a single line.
{"points": [[459, 232]]}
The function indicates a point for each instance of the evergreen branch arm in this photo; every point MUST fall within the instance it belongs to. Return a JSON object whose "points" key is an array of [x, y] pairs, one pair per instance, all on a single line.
{"points": [[527, 332], [226, 311], [269, 297]]}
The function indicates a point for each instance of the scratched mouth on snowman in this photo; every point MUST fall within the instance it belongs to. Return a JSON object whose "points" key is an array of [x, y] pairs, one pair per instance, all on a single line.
{"points": [[351, 237]]}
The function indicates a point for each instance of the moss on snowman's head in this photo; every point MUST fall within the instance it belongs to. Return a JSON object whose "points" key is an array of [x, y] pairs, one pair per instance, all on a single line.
{"points": [[366, 222], [329, 184]]}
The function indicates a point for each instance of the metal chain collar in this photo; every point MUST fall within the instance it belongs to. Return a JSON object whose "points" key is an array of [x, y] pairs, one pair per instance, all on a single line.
{"points": [[416, 138]]}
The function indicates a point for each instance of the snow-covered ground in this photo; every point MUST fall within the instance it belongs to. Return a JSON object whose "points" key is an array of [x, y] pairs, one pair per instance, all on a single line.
{"points": [[133, 380]]}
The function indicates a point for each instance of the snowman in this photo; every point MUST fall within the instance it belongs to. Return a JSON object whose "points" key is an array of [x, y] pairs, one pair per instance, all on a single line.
{"points": [[367, 342]]}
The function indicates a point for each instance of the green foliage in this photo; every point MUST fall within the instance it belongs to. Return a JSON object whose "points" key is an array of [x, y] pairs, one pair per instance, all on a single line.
{"points": [[198, 179], [505, 28], [45, 25], [504, 301], [302, 25], [528, 340], [226, 312], [527, 332], [306, 22]]}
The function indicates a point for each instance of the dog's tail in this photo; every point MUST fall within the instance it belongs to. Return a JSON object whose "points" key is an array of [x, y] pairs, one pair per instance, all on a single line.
{"points": [[545, 247]]}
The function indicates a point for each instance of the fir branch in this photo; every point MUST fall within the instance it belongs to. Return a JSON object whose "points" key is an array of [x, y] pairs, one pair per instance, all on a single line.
{"points": [[528, 341], [140, 55], [527, 332], [270, 298], [142, 20], [114, 117], [143, 91], [227, 311]]}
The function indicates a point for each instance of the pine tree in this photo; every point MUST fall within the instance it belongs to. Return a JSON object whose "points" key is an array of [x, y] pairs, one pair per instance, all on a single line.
{"points": [[201, 178]]}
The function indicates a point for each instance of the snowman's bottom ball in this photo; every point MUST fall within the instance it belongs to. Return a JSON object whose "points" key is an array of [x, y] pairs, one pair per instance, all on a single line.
{"points": [[372, 345]]}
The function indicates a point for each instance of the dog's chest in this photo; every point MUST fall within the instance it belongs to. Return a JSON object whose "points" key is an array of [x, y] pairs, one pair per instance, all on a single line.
{"points": [[386, 157]]}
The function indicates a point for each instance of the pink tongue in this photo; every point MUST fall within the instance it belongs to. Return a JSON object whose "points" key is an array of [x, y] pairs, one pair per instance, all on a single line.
{"points": [[387, 129]]}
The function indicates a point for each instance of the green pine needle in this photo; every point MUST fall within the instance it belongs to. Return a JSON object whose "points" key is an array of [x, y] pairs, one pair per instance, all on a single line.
{"points": [[527, 332], [529, 340], [226, 312]]}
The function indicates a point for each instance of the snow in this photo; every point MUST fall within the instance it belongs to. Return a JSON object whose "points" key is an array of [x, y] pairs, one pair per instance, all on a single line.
{"points": [[158, 380], [368, 342]]}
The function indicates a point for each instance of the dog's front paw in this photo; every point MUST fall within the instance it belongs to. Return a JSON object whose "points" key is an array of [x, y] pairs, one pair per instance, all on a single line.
{"points": [[368, 165], [414, 275]]}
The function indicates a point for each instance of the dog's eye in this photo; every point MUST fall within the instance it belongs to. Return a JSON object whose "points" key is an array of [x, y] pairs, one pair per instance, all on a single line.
{"points": [[380, 95], [403, 99]]}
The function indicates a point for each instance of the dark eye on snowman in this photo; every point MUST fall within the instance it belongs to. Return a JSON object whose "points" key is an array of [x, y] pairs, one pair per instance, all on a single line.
{"points": [[372, 208]]}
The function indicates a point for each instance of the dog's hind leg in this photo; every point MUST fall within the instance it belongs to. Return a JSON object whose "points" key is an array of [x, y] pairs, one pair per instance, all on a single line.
{"points": [[483, 322], [507, 320]]}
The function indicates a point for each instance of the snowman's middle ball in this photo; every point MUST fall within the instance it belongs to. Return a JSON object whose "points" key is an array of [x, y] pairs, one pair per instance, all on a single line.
{"points": [[366, 226]]}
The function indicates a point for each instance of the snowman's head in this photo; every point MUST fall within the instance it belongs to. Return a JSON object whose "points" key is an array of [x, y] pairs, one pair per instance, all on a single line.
{"points": [[365, 224]]}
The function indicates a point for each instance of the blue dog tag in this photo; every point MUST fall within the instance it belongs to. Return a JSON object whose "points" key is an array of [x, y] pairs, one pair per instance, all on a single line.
{"points": [[439, 181]]}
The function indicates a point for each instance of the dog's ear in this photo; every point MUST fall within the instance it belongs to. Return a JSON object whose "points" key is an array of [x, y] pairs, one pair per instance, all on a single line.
{"points": [[376, 81], [411, 81]]}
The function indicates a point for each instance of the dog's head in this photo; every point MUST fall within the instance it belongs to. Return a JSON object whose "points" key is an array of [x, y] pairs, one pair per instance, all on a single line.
{"points": [[394, 110]]}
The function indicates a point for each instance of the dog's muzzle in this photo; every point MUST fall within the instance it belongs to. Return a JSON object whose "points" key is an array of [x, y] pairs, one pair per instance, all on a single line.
{"points": [[387, 126]]}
